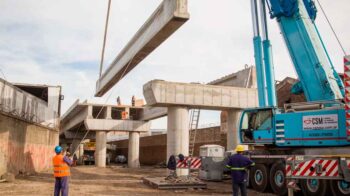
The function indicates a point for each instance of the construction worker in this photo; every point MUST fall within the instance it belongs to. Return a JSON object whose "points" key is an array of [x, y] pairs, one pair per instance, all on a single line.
{"points": [[119, 102], [61, 170], [133, 100], [238, 165]]}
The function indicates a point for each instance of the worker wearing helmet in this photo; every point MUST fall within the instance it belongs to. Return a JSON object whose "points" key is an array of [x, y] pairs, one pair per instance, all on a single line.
{"points": [[61, 170], [238, 164]]}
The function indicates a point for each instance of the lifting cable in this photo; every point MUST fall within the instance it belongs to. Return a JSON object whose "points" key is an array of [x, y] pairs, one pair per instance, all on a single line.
{"points": [[121, 76], [330, 25], [100, 74], [88, 131], [105, 38]]}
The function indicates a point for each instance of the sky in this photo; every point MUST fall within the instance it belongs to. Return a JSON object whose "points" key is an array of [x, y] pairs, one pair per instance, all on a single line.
{"points": [[59, 43]]}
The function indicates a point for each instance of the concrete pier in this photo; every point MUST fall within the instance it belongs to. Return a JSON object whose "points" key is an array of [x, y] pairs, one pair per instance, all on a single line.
{"points": [[134, 149], [82, 117], [81, 153], [100, 154], [232, 128], [178, 134], [180, 97]]}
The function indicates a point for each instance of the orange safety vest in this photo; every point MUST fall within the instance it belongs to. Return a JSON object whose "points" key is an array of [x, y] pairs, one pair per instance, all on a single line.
{"points": [[60, 168], [124, 115]]}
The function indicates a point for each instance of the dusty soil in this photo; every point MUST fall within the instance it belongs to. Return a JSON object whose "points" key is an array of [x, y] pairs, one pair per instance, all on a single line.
{"points": [[113, 180]]}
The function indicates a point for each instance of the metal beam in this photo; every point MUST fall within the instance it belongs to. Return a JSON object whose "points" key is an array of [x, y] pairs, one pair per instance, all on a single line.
{"points": [[167, 18]]}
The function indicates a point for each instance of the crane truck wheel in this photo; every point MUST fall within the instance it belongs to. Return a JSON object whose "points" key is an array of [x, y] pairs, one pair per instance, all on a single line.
{"points": [[340, 187], [278, 179], [259, 177], [314, 187]]}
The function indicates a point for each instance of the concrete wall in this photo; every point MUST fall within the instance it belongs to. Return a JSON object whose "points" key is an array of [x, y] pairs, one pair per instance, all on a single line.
{"points": [[153, 148], [24, 105], [24, 146]]}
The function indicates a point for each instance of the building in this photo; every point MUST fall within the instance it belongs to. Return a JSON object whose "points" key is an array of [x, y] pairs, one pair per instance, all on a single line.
{"points": [[29, 124]]}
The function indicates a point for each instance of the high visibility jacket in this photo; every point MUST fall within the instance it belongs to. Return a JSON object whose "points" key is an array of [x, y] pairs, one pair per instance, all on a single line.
{"points": [[60, 167], [124, 115], [238, 165]]}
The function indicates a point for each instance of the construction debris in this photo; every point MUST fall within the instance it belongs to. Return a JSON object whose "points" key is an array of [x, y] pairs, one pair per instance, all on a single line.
{"points": [[171, 182], [7, 177]]}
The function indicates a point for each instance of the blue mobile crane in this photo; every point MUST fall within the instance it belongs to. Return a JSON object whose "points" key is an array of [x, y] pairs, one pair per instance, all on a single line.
{"points": [[302, 145]]}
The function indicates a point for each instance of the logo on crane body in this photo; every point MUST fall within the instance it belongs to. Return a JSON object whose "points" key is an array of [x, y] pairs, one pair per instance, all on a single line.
{"points": [[320, 122]]}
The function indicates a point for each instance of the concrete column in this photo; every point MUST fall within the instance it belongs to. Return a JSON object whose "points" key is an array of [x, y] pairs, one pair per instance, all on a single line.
{"points": [[178, 134], [81, 150], [90, 112], [80, 154], [100, 153], [134, 148], [109, 112], [127, 110], [232, 128]]}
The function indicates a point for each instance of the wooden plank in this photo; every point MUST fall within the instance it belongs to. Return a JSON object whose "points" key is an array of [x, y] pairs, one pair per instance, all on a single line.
{"points": [[167, 18]]}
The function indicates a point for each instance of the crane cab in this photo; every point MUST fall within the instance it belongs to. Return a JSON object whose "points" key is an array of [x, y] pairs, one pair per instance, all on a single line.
{"points": [[257, 126]]}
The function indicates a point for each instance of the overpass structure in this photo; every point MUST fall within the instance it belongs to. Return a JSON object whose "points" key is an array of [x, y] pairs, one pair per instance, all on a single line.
{"points": [[180, 97], [163, 98], [96, 120]]}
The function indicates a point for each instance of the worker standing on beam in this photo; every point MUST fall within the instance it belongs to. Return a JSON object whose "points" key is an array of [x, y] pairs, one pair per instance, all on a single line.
{"points": [[133, 99], [61, 172], [238, 165]]}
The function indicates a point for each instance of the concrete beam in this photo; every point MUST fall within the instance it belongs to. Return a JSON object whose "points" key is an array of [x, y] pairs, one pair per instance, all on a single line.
{"points": [[70, 120], [78, 135], [151, 113], [167, 18], [159, 93], [70, 111], [116, 125]]}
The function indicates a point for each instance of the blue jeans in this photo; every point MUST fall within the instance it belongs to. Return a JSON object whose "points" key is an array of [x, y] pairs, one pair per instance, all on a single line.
{"points": [[61, 185], [237, 186]]}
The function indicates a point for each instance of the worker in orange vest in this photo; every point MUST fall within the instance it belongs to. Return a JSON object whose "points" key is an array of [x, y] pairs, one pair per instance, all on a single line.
{"points": [[61, 172], [124, 115]]}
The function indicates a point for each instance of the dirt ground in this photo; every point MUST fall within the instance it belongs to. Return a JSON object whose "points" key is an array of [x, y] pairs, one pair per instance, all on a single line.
{"points": [[113, 180]]}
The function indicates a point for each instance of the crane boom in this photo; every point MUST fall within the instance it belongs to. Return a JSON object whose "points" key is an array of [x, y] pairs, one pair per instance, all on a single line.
{"points": [[318, 79]]}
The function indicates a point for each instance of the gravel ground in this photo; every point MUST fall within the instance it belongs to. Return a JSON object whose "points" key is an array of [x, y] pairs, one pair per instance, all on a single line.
{"points": [[113, 180]]}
